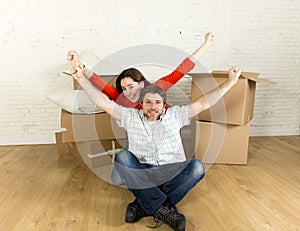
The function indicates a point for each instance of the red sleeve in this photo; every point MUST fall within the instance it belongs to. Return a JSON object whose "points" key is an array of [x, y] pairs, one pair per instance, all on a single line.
{"points": [[111, 92], [103, 86], [169, 80], [125, 102]]}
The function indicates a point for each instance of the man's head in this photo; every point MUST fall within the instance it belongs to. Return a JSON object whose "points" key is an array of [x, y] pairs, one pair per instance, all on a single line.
{"points": [[153, 100]]}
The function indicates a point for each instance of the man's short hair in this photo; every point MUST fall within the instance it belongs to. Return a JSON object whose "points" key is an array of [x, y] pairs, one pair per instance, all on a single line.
{"points": [[154, 90]]}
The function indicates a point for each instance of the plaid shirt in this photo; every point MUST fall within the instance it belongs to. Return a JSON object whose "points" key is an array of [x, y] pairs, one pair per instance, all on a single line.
{"points": [[156, 142]]}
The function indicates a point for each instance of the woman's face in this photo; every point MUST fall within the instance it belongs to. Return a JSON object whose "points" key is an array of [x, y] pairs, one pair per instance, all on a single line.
{"points": [[132, 89]]}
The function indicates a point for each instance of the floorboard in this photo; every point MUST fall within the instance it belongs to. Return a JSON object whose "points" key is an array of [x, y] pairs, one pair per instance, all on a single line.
{"points": [[41, 190]]}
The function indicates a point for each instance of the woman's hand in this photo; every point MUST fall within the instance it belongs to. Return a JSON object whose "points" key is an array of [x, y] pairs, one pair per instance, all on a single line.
{"points": [[73, 58], [209, 38], [77, 69]]}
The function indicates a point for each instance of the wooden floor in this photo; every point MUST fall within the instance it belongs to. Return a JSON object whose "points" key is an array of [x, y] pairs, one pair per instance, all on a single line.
{"points": [[41, 191]]}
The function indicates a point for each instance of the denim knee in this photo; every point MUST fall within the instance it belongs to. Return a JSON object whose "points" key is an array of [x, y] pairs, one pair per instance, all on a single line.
{"points": [[123, 157], [197, 169], [116, 178]]}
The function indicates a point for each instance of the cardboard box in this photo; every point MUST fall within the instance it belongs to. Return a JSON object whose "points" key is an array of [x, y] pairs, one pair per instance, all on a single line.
{"points": [[65, 150], [95, 154], [187, 134], [95, 147], [237, 106], [81, 127], [100, 153], [221, 143], [61, 147]]}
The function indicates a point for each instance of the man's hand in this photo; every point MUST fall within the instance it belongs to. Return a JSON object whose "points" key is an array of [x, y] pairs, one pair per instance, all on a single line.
{"points": [[209, 38], [77, 71], [234, 74], [211, 98]]}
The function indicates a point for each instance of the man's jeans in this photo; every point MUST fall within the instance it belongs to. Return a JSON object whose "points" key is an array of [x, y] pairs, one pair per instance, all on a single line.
{"points": [[153, 185]]}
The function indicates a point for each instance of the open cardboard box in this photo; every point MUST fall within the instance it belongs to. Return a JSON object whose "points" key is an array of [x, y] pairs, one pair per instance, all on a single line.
{"points": [[221, 143], [237, 106]]}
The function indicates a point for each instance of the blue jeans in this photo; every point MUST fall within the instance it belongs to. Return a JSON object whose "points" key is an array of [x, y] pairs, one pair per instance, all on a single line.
{"points": [[116, 178], [153, 185]]}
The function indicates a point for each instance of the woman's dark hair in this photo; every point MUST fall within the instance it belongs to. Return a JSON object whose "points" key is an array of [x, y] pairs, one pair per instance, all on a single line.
{"points": [[133, 73], [154, 90]]}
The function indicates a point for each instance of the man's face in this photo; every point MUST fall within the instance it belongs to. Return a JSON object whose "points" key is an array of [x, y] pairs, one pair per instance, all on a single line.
{"points": [[153, 106]]}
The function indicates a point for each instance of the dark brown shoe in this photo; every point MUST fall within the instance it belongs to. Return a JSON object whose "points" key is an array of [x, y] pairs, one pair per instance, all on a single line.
{"points": [[171, 217], [134, 212]]}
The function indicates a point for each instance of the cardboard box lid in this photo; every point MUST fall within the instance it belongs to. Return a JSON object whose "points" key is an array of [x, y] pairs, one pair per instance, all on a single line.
{"points": [[247, 75]]}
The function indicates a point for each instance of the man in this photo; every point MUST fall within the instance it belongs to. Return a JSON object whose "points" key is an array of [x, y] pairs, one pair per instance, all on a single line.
{"points": [[158, 175]]}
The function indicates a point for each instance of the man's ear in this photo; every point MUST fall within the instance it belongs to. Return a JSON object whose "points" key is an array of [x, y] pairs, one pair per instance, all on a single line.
{"points": [[142, 84]]}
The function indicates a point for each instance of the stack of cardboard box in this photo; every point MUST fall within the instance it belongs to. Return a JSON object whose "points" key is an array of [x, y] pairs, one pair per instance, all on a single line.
{"points": [[91, 137], [87, 136], [222, 132]]}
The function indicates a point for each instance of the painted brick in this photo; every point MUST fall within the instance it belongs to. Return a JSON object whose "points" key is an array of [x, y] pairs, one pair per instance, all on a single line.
{"points": [[260, 36]]}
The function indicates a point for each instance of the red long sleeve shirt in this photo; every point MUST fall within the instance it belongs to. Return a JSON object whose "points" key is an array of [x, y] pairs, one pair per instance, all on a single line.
{"points": [[165, 83]]}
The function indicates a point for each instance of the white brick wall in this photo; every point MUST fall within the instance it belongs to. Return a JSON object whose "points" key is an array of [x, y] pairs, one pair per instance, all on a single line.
{"points": [[261, 36]]}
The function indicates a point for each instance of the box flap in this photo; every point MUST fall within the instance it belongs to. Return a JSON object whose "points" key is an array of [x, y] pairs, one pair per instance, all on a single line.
{"points": [[249, 75]]}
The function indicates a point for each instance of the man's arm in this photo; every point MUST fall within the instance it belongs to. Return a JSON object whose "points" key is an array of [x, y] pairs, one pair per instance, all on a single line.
{"points": [[212, 97], [96, 96]]}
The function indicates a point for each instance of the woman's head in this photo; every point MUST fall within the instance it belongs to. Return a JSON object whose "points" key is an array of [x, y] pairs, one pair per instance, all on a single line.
{"points": [[130, 82]]}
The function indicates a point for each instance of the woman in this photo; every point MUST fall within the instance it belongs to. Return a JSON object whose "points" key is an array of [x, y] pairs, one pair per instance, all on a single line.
{"points": [[131, 81]]}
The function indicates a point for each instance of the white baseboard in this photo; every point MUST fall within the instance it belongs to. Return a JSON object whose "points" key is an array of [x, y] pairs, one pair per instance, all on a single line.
{"points": [[51, 139], [274, 133], [28, 140]]}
